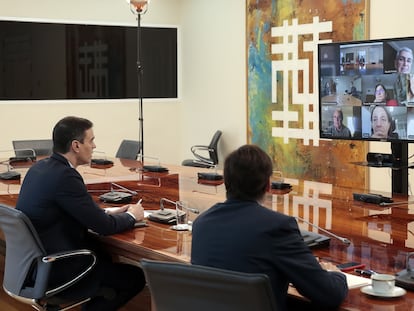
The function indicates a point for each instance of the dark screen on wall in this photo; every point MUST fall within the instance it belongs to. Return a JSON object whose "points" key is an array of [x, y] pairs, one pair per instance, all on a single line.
{"points": [[48, 61]]}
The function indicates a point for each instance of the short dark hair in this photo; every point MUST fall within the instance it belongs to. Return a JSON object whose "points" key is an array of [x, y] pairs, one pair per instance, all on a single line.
{"points": [[246, 173], [67, 130]]}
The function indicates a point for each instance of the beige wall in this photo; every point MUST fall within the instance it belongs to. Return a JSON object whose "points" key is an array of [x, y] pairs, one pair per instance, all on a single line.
{"points": [[382, 26], [114, 120], [212, 79]]}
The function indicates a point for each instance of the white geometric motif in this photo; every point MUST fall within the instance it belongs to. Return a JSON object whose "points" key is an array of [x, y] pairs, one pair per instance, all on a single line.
{"points": [[290, 64]]}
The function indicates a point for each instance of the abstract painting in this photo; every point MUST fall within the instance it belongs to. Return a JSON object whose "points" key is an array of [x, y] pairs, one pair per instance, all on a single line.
{"points": [[282, 100]]}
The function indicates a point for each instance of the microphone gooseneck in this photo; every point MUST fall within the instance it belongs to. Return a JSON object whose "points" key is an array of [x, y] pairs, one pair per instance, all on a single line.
{"points": [[123, 188], [342, 239], [396, 203], [176, 203], [193, 210]]}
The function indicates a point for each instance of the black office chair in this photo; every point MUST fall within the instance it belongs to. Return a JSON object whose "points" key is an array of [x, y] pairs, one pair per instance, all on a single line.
{"points": [[28, 266], [205, 156], [41, 147], [185, 287], [129, 149]]}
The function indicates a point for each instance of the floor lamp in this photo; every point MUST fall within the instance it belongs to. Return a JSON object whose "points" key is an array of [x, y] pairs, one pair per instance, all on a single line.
{"points": [[139, 7]]}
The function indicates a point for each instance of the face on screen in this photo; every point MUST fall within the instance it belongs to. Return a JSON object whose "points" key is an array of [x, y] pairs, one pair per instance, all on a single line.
{"points": [[403, 61], [380, 122], [372, 85], [337, 119]]}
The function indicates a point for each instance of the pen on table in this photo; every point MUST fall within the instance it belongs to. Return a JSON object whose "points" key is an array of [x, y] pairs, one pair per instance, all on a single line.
{"points": [[365, 272]]}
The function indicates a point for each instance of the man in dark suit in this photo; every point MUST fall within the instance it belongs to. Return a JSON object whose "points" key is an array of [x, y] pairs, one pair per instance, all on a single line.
{"points": [[54, 196], [242, 235]]}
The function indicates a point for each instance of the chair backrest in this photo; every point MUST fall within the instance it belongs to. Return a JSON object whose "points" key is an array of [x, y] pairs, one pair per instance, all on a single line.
{"points": [[213, 146], [185, 287], [42, 147], [129, 149], [23, 250]]}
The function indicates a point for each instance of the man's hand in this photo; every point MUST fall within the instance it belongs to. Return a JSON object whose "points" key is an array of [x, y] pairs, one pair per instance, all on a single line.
{"points": [[326, 265], [137, 210]]}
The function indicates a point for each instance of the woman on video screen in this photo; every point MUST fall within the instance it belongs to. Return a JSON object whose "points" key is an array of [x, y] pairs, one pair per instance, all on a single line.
{"points": [[382, 123], [382, 97]]}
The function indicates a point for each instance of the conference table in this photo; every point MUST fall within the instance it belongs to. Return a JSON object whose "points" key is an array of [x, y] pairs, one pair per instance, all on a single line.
{"points": [[381, 237]]}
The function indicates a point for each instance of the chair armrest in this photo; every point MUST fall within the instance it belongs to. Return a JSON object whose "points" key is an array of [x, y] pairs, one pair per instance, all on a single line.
{"points": [[65, 255], [203, 159]]}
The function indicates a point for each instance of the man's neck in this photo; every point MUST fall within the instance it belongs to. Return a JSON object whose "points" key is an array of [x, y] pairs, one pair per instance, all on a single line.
{"points": [[71, 159]]}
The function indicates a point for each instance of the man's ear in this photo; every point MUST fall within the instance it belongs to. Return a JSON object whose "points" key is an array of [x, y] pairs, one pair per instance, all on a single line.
{"points": [[75, 145], [268, 185]]}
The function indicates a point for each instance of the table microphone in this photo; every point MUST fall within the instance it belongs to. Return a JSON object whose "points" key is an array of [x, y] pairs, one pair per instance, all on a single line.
{"points": [[116, 196], [342, 239]]}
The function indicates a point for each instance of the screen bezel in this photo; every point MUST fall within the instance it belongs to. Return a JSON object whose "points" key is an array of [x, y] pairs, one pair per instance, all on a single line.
{"points": [[55, 81]]}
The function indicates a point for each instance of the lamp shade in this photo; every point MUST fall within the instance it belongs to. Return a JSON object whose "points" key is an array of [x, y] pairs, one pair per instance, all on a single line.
{"points": [[140, 6]]}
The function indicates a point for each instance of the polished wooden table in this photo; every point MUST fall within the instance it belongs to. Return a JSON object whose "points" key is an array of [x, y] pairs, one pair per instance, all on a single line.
{"points": [[381, 236]]}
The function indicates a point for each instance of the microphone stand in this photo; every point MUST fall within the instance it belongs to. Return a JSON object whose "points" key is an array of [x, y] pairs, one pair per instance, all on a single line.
{"points": [[342, 239]]}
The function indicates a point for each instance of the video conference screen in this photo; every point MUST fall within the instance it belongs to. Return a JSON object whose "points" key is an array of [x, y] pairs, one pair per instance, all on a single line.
{"points": [[366, 90]]}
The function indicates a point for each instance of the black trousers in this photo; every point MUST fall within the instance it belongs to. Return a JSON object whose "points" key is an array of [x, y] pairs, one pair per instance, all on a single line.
{"points": [[110, 284], [116, 283]]}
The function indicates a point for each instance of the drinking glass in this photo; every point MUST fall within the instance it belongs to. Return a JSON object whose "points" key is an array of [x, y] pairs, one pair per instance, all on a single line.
{"points": [[181, 208]]}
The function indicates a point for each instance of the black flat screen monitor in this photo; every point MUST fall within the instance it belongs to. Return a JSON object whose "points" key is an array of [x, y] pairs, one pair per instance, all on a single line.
{"points": [[58, 61], [366, 93], [366, 90]]}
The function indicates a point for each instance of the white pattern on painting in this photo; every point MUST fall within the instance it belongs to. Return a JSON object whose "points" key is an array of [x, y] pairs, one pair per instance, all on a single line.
{"points": [[289, 65]]}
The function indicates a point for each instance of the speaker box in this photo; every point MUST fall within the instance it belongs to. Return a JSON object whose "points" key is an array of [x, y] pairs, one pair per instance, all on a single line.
{"points": [[371, 198], [155, 169], [164, 216], [10, 175], [209, 176], [116, 197]]}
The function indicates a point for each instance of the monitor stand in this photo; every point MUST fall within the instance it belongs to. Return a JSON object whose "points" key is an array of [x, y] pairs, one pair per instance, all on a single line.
{"points": [[400, 168], [397, 161]]}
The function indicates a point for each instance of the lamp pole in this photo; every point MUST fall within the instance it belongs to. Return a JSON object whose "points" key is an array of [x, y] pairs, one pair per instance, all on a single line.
{"points": [[139, 7], [140, 76]]}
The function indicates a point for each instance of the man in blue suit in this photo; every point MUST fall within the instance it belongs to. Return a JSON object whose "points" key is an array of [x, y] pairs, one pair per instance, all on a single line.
{"points": [[54, 196], [242, 235]]}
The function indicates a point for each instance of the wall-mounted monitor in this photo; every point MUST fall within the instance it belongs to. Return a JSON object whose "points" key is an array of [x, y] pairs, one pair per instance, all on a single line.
{"points": [[50, 60]]}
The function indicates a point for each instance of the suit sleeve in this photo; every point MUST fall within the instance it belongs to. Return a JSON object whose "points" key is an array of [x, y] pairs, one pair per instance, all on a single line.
{"points": [[74, 198], [323, 288]]}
